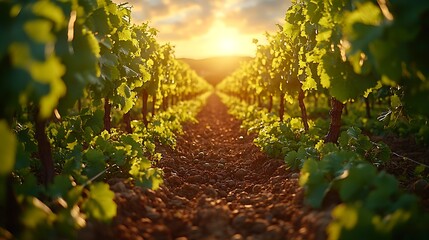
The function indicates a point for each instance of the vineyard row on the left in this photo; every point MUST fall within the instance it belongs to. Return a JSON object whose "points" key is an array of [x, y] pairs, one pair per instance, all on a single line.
{"points": [[85, 95]]}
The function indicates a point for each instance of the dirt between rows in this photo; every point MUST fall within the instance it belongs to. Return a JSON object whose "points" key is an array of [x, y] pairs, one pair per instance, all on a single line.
{"points": [[218, 185]]}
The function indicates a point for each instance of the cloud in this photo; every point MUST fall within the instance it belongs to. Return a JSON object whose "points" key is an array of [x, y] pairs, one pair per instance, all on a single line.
{"points": [[175, 19], [257, 15], [181, 19], [196, 26]]}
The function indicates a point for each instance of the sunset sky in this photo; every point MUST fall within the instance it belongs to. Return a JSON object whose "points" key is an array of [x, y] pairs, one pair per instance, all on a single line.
{"points": [[201, 29]]}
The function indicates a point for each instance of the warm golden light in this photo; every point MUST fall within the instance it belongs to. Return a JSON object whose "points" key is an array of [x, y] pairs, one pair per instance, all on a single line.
{"points": [[227, 45], [204, 29], [220, 40]]}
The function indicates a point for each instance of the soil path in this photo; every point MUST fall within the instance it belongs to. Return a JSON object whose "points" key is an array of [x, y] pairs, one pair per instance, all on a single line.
{"points": [[218, 185]]}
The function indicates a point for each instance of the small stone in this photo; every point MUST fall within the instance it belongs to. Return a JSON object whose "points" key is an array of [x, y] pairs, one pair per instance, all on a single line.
{"points": [[210, 192], [181, 238], [246, 201], [273, 233], [175, 180], [260, 225], [230, 198], [239, 220], [160, 232], [241, 173], [188, 190], [294, 176], [196, 179], [257, 188], [279, 210], [152, 214], [230, 183], [237, 237], [207, 165], [222, 193]]}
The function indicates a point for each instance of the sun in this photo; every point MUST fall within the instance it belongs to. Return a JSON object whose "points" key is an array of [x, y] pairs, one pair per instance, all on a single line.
{"points": [[220, 40], [224, 40], [228, 45]]}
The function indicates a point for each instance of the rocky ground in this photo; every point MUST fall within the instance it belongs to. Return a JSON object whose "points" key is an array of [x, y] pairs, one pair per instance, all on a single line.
{"points": [[218, 185]]}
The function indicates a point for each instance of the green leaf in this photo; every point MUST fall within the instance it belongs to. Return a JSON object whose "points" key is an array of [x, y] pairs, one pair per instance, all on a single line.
{"points": [[36, 214], [152, 179], [119, 156], [61, 185], [362, 26], [109, 59], [50, 11], [350, 85], [7, 149], [127, 96], [39, 31], [95, 162], [29, 186], [100, 204], [358, 182], [135, 145], [316, 192], [386, 187], [292, 161], [334, 163], [314, 183], [95, 122], [388, 58], [74, 195], [49, 72]]}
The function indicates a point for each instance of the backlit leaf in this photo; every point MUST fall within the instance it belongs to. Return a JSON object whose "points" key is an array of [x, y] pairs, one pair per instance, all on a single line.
{"points": [[100, 204], [7, 149]]}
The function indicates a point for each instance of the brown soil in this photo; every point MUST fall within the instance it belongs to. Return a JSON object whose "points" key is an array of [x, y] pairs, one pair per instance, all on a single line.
{"points": [[218, 185], [406, 156]]}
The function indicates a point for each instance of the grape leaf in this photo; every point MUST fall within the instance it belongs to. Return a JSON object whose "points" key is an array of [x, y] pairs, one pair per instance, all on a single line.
{"points": [[100, 204], [8, 147], [95, 162], [357, 184], [60, 186]]}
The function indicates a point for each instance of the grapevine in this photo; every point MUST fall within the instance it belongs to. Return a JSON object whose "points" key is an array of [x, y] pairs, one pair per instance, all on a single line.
{"points": [[72, 74], [342, 52]]}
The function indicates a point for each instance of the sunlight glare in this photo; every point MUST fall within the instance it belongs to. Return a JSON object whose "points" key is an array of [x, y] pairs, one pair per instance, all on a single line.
{"points": [[224, 40], [227, 45], [220, 40]]}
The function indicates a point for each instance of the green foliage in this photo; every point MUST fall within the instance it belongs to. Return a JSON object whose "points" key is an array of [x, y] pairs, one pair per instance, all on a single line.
{"points": [[7, 149], [372, 202], [347, 50], [100, 205], [354, 140], [391, 40], [64, 59]]}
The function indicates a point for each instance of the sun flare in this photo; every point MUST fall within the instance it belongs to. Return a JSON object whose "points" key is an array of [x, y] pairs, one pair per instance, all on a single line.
{"points": [[220, 40], [224, 40], [227, 45]]}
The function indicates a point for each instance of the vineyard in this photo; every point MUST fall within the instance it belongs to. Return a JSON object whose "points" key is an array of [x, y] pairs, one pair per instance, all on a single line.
{"points": [[86, 95], [324, 134], [312, 93]]}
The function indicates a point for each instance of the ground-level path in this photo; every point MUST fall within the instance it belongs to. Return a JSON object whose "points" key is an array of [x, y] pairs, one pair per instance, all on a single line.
{"points": [[218, 185]]}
